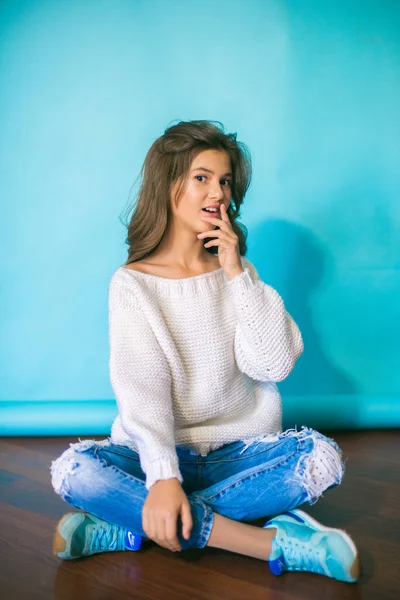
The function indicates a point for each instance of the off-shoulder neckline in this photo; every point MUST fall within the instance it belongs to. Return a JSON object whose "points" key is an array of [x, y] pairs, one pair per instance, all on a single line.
{"points": [[172, 279], [213, 281]]}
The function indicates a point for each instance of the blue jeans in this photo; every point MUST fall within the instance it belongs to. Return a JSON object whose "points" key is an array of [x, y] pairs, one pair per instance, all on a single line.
{"points": [[244, 482]]}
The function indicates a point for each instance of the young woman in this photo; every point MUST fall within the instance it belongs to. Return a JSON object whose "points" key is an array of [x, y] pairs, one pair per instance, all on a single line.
{"points": [[197, 344]]}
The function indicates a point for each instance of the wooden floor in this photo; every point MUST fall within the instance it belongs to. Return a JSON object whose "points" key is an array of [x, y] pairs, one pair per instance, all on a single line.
{"points": [[366, 504]]}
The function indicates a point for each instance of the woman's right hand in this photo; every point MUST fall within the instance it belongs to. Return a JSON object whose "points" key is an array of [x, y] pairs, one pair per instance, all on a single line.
{"points": [[165, 501]]}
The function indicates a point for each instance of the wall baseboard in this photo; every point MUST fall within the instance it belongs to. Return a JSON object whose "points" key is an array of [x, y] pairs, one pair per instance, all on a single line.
{"points": [[56, 417], [95, 417]]}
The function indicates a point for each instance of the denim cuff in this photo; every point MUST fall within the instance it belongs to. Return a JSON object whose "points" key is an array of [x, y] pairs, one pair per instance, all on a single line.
{"points": [[203, 520]]}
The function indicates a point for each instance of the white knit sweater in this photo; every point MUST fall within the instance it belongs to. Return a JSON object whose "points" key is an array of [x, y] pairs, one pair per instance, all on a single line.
{"points": [[194, 362]]}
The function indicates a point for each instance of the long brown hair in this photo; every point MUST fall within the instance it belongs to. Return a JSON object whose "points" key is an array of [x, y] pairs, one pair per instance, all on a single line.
{"points": [[168, 160]]}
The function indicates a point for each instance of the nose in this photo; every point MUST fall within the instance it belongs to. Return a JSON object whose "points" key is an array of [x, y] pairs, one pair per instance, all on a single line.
{"points": [[217, 193]]}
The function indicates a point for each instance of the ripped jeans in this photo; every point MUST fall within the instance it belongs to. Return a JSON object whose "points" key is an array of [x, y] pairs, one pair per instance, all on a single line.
{"points": [[241, 481]]}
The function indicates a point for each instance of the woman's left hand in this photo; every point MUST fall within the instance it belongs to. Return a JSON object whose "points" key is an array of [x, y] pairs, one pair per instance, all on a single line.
{"points": [[227, 242]]}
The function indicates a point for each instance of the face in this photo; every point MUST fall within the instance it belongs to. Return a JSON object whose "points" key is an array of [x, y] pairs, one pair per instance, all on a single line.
{"points": [[209, 183]]}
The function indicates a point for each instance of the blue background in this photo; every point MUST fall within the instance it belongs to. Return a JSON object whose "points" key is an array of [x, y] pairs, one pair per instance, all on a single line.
{"points": [[312, 87]]}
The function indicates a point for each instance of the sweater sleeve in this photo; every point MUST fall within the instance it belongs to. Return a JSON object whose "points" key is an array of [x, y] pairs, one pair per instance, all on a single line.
{"points": [[267, 340], [141, 381]]}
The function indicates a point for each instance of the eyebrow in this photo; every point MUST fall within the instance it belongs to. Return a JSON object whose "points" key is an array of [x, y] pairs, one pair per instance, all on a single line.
{"points": [[209, 171]]}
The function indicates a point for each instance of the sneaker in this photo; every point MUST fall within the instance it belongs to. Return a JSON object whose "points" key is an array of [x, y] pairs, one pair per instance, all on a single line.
{"points": [[81, 534], [303, 544]]}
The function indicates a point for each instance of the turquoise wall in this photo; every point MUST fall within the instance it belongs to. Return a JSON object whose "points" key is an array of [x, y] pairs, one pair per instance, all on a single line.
{"points": [[312, 87]]}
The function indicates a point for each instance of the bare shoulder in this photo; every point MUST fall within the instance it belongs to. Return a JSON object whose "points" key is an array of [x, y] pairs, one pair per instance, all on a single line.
{"points": [[141, 266], [164, 269]]}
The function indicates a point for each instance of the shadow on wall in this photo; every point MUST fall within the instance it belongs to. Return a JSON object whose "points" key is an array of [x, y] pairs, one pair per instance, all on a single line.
{"points": [[317, 393]]}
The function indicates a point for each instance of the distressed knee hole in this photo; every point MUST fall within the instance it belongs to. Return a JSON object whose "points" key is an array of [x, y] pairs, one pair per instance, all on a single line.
{"points": [[320, 469], [61, 469], [64, 466]]}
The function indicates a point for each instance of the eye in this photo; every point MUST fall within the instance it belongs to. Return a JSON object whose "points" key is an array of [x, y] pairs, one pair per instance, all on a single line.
{"points": [[227, 180]]}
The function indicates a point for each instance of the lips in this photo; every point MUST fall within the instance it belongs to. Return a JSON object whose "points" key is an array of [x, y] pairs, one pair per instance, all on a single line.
{"points": [[211, 214], [215, 205]]}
